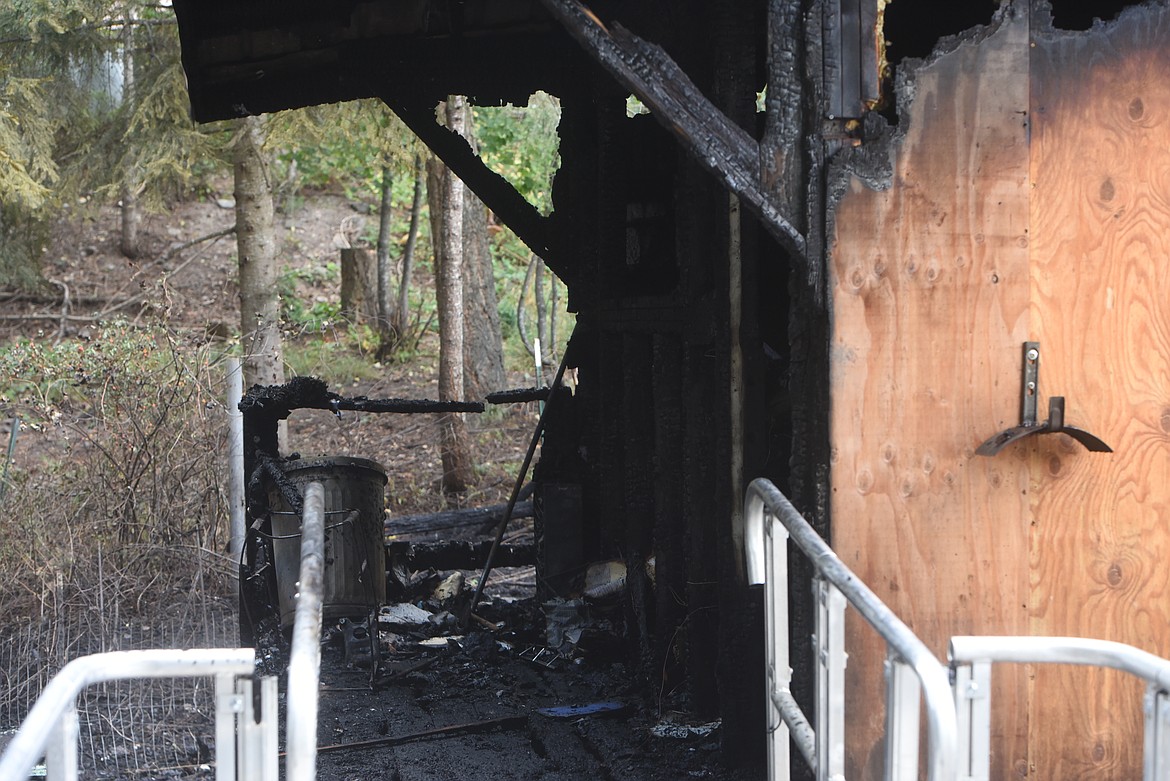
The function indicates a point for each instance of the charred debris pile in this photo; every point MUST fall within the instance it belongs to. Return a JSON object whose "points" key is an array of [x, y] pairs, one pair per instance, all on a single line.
{"points": [[390, 606]]}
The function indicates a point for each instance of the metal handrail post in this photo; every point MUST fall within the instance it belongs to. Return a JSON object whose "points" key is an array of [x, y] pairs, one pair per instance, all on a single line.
{"points": [[228, 706], [779, 673], [830, 681], [903, 694], [304, 665], [765, 505], [1156, 754], [61, 755]]}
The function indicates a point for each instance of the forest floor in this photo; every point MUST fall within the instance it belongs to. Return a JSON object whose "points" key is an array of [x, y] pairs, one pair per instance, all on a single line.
{"points": [[470, 677]]}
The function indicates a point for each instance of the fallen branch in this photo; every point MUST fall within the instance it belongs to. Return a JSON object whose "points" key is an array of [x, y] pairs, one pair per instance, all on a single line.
{"points": [[177, 248]]}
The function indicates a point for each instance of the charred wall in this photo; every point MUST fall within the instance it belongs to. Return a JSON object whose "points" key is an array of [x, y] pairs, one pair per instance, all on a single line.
{"points": [[648, 236]]}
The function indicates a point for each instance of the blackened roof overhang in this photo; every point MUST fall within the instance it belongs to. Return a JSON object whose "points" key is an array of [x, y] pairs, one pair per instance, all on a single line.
{"points": [[254, 56]]}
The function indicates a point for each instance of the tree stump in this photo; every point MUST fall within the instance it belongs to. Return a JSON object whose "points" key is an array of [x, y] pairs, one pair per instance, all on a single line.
{"points": [[359, 286]]}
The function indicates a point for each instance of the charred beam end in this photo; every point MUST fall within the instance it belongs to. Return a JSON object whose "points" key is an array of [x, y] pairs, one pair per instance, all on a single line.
{"points": [[486, 518], [517, 396], [720, 145], [275, 402], [408, 406], [459, 554], [494, 190]]}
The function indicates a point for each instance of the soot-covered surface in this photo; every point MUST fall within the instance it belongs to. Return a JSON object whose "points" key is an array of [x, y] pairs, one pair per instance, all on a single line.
{"points": [[483, 677]]}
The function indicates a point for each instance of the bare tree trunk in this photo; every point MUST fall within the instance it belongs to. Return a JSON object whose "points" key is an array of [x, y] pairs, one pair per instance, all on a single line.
{"points": [[483, 350], [455, 446], [131, 214], [521, 316], [256, 244], [550, 351], [402, 309], [541, 307], [385, 307]]}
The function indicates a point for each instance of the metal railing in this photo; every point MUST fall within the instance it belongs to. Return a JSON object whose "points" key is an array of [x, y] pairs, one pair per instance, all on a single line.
{"points": [[304, 664], [972, 657], [769, 521], [246, 746], [51, 727]]}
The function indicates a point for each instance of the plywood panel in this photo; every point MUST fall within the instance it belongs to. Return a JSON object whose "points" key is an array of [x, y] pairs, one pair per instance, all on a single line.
{"points": [[930, 290], [1101, 309]]}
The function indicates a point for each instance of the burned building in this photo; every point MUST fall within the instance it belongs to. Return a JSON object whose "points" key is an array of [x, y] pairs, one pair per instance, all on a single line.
{"points": [[832, 293]]}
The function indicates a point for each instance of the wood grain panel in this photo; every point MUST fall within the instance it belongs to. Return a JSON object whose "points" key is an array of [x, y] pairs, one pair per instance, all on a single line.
{"points": [[1101, 310], [930, 294]]}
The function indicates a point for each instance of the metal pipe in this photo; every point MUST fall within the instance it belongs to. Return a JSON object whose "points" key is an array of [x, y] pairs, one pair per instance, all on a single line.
{"points": [[29, 744], [1062, 650], [235, 456], [802, 733], [304, 664], [763, 498]]}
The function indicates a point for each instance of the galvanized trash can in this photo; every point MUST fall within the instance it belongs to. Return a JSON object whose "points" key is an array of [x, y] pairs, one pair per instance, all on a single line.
{"points": [[355, 553]]}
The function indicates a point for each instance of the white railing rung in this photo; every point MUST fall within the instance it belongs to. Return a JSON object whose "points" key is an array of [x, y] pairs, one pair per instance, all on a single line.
{"points": [[228, 706], [829, 647], [903, 694], [973, 707]]}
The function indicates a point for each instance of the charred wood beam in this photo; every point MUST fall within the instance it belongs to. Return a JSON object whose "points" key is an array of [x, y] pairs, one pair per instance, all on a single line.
{"points": [[782, 167], [721, 146], [459, 554], [486, 518], [265, 406], [518, 395], [494, 190]]}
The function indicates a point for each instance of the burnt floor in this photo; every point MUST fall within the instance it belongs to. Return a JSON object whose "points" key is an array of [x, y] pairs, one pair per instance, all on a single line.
{"points": [[482, 680]]}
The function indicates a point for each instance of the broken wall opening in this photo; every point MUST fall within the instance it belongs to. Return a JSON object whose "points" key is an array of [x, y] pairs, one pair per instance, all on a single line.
{"points": [[1083, 14]]}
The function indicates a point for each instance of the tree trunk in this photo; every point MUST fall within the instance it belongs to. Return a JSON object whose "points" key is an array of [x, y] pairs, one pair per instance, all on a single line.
{"points": [[554, 300], [483, 352], [131, 214], [256, 244], [521, 310], [385, 301], [455, 446], [541, 308], [402, 310]]}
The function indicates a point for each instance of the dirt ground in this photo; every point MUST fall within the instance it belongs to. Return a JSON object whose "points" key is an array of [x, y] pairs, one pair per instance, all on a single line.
{"points": [[469, 678]]}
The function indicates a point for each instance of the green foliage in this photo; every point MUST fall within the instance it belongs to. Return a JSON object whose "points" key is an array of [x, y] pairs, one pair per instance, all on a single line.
{"points": [[521, 144], [27, 167], [42, 379], [338, 359], [343, 144], [295, 312]]}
